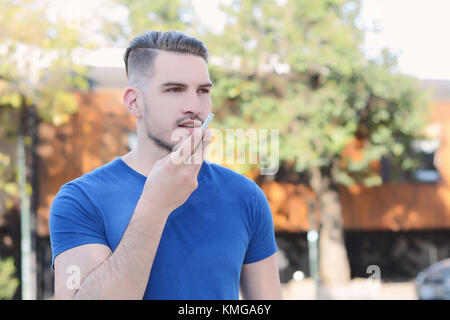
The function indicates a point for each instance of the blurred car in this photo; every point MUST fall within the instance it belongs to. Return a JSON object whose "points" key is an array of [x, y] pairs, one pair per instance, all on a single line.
{"points": [[433, 283]]}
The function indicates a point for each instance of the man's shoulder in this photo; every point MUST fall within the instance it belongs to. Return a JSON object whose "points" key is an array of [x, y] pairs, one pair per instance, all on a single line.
{"points": [[228, 177], [84, 194], [93, 180]]}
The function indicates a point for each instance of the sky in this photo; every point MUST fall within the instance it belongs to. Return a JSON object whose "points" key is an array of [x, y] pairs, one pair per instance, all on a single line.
{"points": [[414, 30]]}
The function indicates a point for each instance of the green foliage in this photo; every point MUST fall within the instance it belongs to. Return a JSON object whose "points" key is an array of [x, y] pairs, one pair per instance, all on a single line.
{"points": [[6, 183], [330, 95], [8, 283], [158, 15], [36, 64], [36, 69]]}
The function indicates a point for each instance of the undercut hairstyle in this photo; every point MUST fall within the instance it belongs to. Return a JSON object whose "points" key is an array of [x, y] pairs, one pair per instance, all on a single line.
{"points": [[140, 55]]}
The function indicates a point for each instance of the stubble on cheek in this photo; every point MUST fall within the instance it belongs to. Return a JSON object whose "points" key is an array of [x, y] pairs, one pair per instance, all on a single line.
{"points": [[159, 136]]}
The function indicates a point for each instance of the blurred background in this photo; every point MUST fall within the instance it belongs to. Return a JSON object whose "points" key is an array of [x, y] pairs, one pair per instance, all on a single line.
{"points": [[360, 91]]}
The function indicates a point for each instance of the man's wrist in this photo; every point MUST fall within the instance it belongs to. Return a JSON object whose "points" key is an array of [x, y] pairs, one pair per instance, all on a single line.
{"points": [[151, 210]]}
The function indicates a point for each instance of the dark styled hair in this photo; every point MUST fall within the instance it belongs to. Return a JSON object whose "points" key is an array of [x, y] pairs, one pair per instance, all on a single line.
{"points": [[141, 53]]}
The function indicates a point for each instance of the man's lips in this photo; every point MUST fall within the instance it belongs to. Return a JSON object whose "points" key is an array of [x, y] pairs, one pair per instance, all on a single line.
{"points": [[189, 125], [189, 129]]}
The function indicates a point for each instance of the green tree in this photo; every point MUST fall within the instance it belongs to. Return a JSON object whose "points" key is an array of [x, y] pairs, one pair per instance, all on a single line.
{"points": [[297, 66], [36, 68], [8, 283], [158, 15], [37, 80]]}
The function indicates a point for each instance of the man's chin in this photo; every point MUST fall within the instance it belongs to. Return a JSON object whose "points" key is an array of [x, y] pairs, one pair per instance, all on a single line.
{"points": [[161, 143], [179, 135]]}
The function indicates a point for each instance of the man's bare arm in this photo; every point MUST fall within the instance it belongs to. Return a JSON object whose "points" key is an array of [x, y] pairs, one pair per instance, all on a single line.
{"points": [[260, 280], [122, 274]]}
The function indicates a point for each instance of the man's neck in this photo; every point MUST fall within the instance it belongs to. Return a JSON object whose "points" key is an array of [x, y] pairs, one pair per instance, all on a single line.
{"points": [[142, 161]]}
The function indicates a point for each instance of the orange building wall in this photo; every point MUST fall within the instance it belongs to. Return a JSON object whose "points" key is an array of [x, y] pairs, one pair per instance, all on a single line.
{"points": [[95, 135]]}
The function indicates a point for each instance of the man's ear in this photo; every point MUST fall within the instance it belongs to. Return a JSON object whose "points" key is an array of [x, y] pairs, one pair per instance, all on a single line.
{"points": [[130, 98]]}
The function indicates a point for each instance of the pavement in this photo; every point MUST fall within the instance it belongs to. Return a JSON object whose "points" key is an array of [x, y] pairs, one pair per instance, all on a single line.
{"points": [[356, 289]]}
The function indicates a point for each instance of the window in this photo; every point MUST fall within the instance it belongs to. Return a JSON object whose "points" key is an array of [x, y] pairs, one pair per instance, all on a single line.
{"points": [[426, 150]]}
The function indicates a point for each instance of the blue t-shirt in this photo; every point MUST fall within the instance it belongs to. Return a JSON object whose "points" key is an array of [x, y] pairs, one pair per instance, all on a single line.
{"points": [[225, 223]]}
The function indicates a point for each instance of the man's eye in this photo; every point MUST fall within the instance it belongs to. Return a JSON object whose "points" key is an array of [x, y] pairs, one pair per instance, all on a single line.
{"points": [[174, 90], [203, 91]]}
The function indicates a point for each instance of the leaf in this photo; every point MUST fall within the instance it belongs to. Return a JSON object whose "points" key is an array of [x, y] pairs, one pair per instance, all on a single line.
{"points": [[372, 181]]}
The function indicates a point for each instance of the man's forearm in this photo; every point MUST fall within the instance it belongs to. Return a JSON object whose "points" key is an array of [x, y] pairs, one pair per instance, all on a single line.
{"points": [[124, 274]]}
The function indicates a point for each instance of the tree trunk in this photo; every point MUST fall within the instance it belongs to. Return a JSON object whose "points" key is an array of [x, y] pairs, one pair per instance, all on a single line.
{"points": [[27, 222], [334, 267], [33, 126]]}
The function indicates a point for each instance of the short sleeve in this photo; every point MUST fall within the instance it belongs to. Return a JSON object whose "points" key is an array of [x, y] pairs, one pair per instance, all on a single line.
{"points": [[262, 242], [74, 220]]}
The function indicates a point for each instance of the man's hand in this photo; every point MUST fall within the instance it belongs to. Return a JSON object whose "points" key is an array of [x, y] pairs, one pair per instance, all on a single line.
{"points": [[174, 177]]}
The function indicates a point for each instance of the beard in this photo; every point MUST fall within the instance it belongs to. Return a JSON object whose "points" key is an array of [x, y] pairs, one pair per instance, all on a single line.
{"points": [[154, 136]]}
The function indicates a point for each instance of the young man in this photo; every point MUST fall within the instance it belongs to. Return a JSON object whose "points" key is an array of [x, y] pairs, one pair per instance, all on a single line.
{"points": [[153, 224]]}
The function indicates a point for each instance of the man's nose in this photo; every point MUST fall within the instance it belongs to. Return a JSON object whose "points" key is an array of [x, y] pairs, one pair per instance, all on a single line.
{"points": [[192, 103]]}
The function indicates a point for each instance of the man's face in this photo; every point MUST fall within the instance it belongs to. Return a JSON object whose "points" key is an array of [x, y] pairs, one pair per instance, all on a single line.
{"points": [[175, 93]]}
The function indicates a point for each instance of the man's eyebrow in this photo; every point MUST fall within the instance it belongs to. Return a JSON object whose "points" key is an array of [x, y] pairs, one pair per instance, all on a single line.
{"points": [[179, 84]]}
